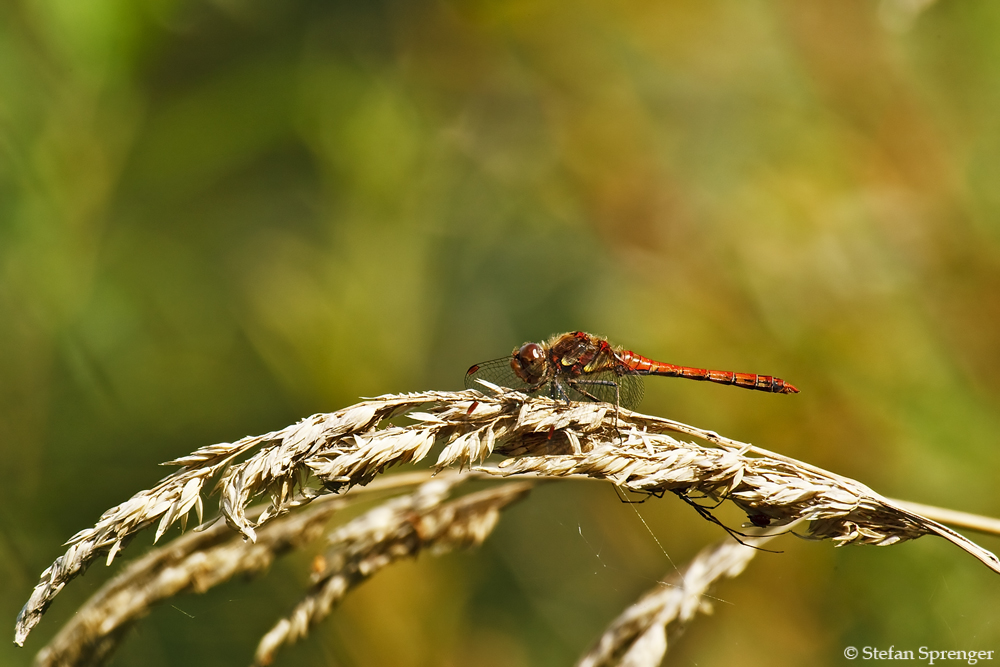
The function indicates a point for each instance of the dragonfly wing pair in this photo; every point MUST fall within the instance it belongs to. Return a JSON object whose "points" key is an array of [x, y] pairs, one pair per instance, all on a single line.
{"points": [[624, 390]]}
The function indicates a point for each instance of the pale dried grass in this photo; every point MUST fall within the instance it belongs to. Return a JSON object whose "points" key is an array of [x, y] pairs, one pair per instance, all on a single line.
{"points": [[398, 529], [200, 560], [540, 437], [640, 635]]}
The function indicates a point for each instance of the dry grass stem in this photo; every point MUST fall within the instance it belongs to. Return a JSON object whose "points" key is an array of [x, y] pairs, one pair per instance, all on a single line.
{"points": [[194, 562], [277, 467], [200, 560], [399, 529], [551, 439], [642, 455], [965, 520], [639, 637]]}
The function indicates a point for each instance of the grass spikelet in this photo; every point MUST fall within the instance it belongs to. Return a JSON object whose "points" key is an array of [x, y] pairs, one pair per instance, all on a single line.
{"points": [[401, 528], [200, 560], [194, 562], [640, 635]]}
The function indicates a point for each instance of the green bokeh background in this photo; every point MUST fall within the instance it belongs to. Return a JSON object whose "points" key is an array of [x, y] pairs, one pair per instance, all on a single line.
{"points": [[217, 217]]}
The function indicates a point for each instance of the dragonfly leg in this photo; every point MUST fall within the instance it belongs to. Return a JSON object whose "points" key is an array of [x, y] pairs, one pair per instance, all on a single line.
{"points": [[604, 383], [557, 391], [645, 495], [533, 388]]}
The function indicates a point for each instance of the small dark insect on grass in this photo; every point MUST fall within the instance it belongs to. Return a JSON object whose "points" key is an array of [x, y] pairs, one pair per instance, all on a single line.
{"points": [[706, 513]]}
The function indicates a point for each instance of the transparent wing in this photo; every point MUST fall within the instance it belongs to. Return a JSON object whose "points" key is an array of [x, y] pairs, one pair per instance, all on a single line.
{"points": [[608, 386], [497, 371], [602, 386]]}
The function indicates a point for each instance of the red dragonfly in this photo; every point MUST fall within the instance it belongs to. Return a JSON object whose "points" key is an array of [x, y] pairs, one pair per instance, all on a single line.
{"points": [[579, 366]]}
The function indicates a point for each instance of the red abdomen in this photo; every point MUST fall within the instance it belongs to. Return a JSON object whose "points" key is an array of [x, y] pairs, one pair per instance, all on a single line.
{"points": [[644, 366]]}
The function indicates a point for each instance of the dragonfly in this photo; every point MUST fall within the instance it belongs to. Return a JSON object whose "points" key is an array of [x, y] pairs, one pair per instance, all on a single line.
{"points": [[579, 366]]}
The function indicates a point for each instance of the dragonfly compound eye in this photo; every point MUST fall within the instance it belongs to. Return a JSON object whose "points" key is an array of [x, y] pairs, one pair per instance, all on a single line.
{"points": [[529, 362]]}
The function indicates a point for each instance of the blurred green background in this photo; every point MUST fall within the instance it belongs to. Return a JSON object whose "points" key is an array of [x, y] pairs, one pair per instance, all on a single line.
{"points": [[217, 217]]}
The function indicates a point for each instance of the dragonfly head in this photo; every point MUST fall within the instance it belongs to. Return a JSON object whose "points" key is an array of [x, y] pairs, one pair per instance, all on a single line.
{"points": [[529, 363]]}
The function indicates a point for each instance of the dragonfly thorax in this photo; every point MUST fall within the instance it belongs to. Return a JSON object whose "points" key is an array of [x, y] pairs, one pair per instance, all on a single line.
{"points": [[529, 363]]}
